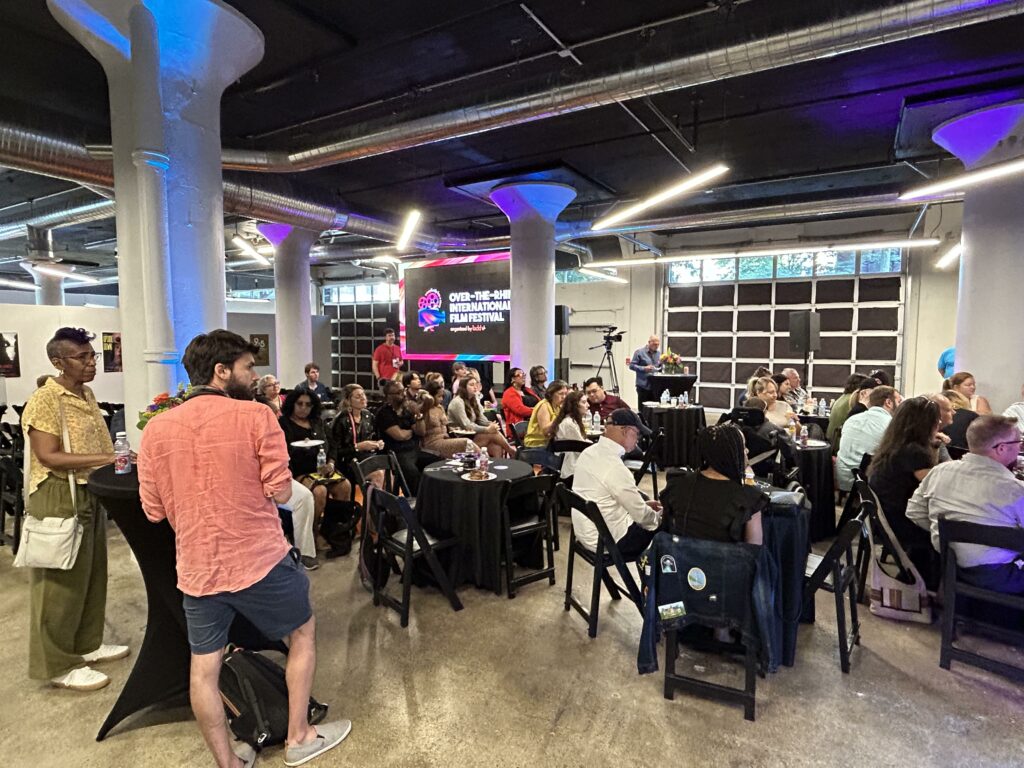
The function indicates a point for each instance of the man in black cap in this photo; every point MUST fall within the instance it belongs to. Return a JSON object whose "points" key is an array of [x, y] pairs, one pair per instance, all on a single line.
{"points": [[601, 477]]}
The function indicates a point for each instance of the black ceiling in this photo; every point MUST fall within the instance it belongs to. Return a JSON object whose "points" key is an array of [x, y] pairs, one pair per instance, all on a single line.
{"points": [[330, 65]]}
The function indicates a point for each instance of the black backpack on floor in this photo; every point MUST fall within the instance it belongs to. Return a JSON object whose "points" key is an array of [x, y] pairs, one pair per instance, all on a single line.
{"points": [[255, 698]]}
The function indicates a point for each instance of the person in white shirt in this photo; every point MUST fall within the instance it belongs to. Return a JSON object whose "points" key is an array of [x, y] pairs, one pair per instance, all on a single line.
{"points": [[601, 477], [1016, 411], [863, 433], [570, 424], [981, 489], [797, 397]]}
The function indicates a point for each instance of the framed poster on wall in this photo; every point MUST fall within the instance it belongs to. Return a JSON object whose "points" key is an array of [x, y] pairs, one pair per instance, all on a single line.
{"points": [[10, 359], [111, 352], [261, 340]]}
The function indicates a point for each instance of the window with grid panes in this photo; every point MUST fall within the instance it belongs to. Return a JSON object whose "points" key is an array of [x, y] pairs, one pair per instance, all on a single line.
{"points": [[359, 314]]}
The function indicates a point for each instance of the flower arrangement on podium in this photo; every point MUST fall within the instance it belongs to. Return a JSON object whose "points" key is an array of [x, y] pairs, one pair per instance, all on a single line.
{"points": [[163, 402], [671, 363]]}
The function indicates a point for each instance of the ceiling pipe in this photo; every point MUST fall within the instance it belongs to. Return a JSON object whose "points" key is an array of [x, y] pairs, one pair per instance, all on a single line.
{"points": [[897, 22], [64, 213]]}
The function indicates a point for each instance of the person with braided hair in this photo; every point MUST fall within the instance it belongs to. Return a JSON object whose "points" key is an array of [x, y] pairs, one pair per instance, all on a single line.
{"points": [[714, 504]]}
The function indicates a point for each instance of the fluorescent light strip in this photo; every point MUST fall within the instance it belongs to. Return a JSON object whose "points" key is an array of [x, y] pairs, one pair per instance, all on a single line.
{"points": [[949, 258], [602, 275], [64, 274], [689, 184], [923, 242], [18, 284], [408, 229], [249, 250], [240, 298], [964, 180], [386, 259], [98, 306]]}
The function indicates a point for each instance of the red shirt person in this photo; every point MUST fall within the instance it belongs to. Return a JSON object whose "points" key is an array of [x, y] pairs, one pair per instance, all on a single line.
{"points": [[387, 358], [601, 401]]}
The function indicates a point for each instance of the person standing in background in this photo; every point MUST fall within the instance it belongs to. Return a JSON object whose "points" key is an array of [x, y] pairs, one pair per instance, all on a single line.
{"points": [[644, 362], [387, 359], [947, 362]]}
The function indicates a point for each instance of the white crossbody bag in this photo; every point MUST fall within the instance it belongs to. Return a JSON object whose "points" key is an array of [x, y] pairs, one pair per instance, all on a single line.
{"points": [[52, 542]]}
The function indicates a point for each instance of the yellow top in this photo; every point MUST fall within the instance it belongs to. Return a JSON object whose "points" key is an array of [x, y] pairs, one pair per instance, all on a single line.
{"points": [[87, 431], [535, 437]]}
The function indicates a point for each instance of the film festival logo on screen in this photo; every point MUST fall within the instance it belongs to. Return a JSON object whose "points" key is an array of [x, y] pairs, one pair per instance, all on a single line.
{"points": [[430, 313]]}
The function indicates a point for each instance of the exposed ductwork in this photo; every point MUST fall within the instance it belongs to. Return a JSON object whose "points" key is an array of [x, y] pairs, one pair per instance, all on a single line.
{"points": [[63, 213], [899, 21]]}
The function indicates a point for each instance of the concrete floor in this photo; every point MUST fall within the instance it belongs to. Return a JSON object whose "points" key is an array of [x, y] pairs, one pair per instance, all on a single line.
{"points": [[518, 683]]}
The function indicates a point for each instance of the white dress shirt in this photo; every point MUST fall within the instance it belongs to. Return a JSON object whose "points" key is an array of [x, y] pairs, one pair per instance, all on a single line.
{"points": [[975, 489], [861, 434], [601, 477], [569, 430]]}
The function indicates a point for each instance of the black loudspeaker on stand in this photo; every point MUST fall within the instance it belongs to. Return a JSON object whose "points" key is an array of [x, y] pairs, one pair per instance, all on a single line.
{"points": [[805, 336], [561, 331]]}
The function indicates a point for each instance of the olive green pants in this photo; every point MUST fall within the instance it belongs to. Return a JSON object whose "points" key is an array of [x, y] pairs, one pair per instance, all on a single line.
{"points": [[67, 607]]}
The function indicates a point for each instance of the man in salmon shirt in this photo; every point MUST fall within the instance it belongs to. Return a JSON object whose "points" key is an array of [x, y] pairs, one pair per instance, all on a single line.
{"points": [[214, 467]]}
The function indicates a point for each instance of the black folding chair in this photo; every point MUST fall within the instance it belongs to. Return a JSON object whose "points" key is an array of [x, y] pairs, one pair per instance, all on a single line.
{"points": [[954, 590], [605, 555], [536, 496], [408, 543], [864, 550], [836, 572], [519, 433], [640, 467]]}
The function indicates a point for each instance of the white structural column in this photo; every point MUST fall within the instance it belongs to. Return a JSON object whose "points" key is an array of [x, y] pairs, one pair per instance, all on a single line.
{"points": [[990, 313], [532, 208], [167, 65], [293, 329], [51, 290]]}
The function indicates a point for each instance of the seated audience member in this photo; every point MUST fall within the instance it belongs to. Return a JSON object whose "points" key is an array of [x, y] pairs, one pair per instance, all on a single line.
{"points": [[980, 489], [603, 478], [600, 401], [841, 408], [395, 423], [353, 436], [413, 389], [268, 391], [882, 379], [459, 372], [714, 504], [764, 440], [777, 411], [797, 397], [485, 391], [542, 421], [446, 394], [862, 396], [432, 429], [465, 413], [903, 459], [961, 418], [863, 433], [759, 373], [313, 385], [300, 420], [538, 384], [570, 424], [964, 383], [1016, 411], [513, 405]]}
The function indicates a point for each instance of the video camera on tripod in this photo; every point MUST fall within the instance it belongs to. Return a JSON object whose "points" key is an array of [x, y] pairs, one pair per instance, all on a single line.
{"points": [[609, 337]]}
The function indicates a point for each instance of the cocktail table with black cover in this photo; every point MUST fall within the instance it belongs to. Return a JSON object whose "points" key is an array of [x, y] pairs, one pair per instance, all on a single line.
{"points": [[472, 511], [816, 476], [679, 446], [160, 672]]}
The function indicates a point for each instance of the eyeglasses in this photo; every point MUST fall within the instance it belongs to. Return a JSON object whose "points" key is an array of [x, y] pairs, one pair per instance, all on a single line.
{"points": [[1008, 442], [84, 357]]}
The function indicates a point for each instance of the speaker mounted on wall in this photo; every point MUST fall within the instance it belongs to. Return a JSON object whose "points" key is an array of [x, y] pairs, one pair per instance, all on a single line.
{"points": [[804, 332], [562, 320]]}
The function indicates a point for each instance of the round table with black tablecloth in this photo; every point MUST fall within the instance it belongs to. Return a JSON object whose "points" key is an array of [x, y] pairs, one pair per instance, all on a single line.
{"points": [[819, 421], [471, 510], [161, 668], [679, 446], [816, 476]]}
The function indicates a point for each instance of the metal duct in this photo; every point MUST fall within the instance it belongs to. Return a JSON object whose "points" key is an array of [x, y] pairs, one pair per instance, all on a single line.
{"points": [[54, 215], [899, 21]]}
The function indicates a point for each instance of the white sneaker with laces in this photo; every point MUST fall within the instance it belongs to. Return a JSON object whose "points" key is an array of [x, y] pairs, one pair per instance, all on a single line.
{"points": [[81, 679], [106, 653]]}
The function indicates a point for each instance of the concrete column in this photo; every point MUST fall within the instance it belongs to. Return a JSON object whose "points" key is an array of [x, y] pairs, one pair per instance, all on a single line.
{"points": [[167, 65], [990, 314], [51, 290], [293, 329], [532, 208]]}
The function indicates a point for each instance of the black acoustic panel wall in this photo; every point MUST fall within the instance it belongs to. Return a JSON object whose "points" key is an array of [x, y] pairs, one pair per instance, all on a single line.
{"points": [[347, 346], [758, 347], [793, 293], [682, 321], [745, 371], [380, 309], [716, 321], [781, 319], [718, 295], [715, 373], [364, 311], [364, 347], [836, 319], [685, 346], [879, 289], [831, 375], [716, 397], [685, 296], [834, 292], [364, 365], [878, 319], [346, 311], [876, 347], [755, 320], [835, 348], [716, 346], [750, 294]]}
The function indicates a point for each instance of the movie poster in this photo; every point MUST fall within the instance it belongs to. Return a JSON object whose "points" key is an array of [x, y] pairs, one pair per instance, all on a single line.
{"points": [[261, 340], [10, 360], [111, 352]]}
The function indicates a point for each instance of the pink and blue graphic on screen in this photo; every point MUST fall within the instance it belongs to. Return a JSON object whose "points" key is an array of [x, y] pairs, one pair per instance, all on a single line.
{"points": [[430, 314]]}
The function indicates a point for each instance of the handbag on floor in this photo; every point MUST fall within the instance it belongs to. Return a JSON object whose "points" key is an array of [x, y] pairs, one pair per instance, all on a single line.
{"points": [[890, 597], [50, 542]]}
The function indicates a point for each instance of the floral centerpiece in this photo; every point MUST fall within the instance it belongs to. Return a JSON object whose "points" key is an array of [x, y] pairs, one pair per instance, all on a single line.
{"points": [[163, 402], [671, 362]]}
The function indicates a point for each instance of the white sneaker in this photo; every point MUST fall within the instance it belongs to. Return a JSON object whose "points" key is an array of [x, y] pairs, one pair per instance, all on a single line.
{"points": [[81, 679], [106, 653]]}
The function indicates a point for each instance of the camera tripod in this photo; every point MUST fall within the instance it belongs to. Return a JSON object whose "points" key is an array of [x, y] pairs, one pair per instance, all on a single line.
{"points": [[608, 359]]}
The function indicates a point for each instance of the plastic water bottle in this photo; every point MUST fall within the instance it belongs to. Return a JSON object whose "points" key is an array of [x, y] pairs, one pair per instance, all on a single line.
{"points": [[685, 399], [321, 458], [122, 454], [821, 407], [664, 397], [803, 435], [595, 421]]}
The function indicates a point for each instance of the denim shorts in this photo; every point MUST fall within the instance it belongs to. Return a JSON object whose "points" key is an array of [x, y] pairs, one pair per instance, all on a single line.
{"points": [[276, 605]]}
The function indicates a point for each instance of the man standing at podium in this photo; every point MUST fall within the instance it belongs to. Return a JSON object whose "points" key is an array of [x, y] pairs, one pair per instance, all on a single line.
{"points": [[213, 468], [645, 361]]}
